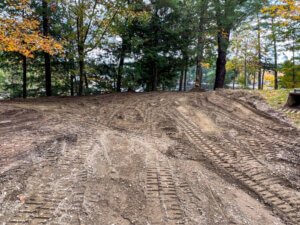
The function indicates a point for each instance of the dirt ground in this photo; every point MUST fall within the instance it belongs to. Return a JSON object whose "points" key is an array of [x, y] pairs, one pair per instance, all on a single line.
{"points": [[213, 158]]}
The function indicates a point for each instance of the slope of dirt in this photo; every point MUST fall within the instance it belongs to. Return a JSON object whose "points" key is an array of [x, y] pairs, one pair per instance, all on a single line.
{"points": [[152, 158]]}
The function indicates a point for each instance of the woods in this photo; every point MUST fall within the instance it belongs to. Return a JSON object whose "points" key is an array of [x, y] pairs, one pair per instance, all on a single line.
{"points": [[85, 47], [214, 138]]}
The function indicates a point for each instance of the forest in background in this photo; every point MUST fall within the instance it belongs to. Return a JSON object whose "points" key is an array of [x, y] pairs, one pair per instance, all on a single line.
{"points": [[81, 47]]}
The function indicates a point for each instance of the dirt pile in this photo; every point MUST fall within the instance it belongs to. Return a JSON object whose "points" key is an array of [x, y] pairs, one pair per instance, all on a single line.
{"points": [[152, 158]]}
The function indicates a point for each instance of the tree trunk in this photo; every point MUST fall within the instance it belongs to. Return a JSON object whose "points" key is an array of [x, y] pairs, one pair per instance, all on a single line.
{"points": [[200, 44], [121, 66], [80, 49], [154, 77], [81, 76], [47, 55], [155, 42], [294, 69], [48, 74], [120, 73], [86, 81], [199, 71], [259, 52], [223, 42], [185, 78], [24, 59], [254, 80], [275, 55], [275, 66], [245, 71], [263, 79], [199, 75], [72, 85], [115, 81], [181, 80]]}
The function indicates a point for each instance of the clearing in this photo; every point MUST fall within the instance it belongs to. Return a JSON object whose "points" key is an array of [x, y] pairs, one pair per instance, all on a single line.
{"points": [[150, 158]]}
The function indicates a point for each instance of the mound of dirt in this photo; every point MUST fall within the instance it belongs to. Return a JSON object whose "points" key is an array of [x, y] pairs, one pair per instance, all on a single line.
{"points": [[211, 158], [257, 102]]}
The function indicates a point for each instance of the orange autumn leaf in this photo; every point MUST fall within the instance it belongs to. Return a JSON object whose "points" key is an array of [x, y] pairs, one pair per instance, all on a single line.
{"points": [[19, 31], [288, 9]]}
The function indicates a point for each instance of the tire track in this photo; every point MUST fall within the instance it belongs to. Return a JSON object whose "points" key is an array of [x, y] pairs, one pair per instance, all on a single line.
{"points": [[269, 139], [255, 127], [162, 199], [262, 183], [60, 196]]}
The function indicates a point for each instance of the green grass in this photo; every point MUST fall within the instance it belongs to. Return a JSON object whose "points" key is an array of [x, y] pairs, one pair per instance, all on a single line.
{"points": [[277, 99]]}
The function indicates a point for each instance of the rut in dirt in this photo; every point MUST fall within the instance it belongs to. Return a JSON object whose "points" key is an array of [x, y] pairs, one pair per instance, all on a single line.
{"points": [[155, 158]]}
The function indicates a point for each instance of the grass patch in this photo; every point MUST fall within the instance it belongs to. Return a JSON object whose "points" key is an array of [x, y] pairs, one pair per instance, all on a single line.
{"points": [[277, 99]]}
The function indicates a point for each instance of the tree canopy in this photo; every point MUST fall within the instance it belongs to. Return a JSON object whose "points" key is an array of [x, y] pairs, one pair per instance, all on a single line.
{"points": [[95, 46]]}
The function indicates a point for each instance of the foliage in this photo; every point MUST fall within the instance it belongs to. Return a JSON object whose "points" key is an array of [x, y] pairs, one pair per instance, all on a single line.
{"points": [[134, 43], [287, 9], [19, 31], [276, 98], [289, 69]]}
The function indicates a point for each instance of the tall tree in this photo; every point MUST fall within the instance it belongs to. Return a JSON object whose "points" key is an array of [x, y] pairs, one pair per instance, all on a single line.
{"points": [[19, 32], [259, 51], [47, 59], [201, 34], [228, 15], [275, 52], [282, 13]]}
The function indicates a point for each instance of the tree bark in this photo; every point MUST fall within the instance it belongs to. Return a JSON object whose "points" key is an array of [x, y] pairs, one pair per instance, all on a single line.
{"points": [[185, 78], [72, 85], [121, 66], [200, 44], [275, 55], [48, 85], [181, 80], [81, 76], [199, 74], [259, 51], [245, 71], [263, 79], [154, 75], [294, 69], [120, 73], [80, 49], [86, 81], [24, 65], [275, 66], [155, 42], [199, 71], [223, 42]]}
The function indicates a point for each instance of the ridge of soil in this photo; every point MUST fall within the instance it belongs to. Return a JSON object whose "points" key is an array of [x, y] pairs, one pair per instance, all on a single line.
{"points": [[149, 158]]}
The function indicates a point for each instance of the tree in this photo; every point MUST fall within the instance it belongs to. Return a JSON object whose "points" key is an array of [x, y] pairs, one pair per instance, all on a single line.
{"points": [[259, 50], [124, 27], [283, 14], [291, 78], [46, 54], [228, 15], [201, 33], [159, 44], [19, 32]]}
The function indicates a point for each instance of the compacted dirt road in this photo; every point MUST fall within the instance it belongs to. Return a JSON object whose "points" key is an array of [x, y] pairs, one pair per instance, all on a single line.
{"points": [[147, 159]]}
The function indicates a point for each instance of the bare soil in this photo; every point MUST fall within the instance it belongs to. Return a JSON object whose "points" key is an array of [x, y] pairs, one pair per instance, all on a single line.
{"points": [[212, 158]]}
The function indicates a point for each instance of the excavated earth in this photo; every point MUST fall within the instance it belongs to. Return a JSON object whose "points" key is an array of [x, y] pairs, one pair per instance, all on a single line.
{"points": [[194, 158]]}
